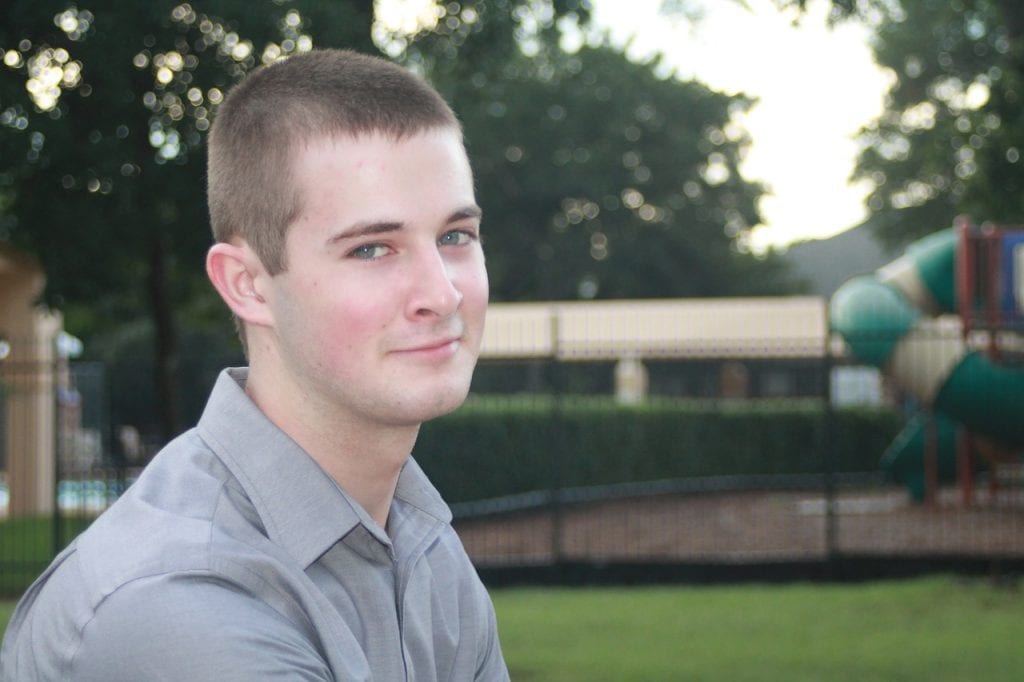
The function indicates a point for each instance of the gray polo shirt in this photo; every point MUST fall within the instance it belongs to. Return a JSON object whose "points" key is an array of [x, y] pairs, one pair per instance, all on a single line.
{"points": [[235, 557]]}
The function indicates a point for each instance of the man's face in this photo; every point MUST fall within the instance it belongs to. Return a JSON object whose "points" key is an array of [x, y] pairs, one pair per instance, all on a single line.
{"points": [[379, 313]]}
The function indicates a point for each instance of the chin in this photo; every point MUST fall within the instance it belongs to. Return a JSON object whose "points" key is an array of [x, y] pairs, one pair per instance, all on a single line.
{"points": [[441, 402], [449, 403]]}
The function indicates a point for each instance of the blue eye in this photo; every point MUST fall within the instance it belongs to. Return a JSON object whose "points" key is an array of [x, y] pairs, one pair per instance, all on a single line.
{"points": [[455, 238], [369, 251]]}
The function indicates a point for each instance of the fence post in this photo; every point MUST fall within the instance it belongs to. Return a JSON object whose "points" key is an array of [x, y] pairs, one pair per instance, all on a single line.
{"points": [[558, 443], [55, 369], [828, 445]]}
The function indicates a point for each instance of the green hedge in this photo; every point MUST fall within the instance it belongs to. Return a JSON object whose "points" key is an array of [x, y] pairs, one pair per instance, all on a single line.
{"points": [[27, 547], [494, 447]]}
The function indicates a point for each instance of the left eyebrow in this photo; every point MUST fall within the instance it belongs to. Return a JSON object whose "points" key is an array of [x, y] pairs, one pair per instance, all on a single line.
{"points": [[472, 211], [376, 227]]}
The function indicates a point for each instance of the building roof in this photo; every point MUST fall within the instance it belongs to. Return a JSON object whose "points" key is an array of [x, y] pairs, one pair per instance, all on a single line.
{"points": [[768, 327]]}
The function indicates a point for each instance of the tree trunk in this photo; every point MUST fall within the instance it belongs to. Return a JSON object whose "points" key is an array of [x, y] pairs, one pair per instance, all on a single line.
{"points": [[165, 340], [1013, 18], [363, 9]]}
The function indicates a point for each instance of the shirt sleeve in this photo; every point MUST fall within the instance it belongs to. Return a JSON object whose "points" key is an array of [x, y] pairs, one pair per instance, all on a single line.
{"points": [[492, 663], [193, 628]]}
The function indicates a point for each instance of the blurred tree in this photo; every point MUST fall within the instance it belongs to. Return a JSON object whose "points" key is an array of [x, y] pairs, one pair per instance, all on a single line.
{"points": [[952, 135], [601, 177], [648, 200], [102, 119]]}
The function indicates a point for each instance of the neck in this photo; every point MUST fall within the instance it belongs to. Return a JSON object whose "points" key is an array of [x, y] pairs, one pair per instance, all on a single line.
{"points": [[363, 457]]}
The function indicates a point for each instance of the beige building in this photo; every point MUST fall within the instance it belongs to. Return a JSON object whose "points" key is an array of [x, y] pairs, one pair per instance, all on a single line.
{"points": [[731, 332], [27, 396]]}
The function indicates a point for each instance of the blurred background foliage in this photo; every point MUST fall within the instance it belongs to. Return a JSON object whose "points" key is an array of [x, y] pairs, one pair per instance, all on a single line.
{"points": [[600, 177], [951, 137]]}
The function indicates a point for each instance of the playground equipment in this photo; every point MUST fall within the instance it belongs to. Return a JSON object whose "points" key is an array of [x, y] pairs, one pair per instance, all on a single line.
{"points": [[946, 323]]}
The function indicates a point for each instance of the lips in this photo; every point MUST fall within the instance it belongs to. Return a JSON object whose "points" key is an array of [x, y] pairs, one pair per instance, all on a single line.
{"points": [[433, 345], [432, 349]]}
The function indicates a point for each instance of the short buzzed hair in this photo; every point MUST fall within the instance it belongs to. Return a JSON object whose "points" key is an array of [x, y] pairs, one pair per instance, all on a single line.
{"points": [[268, 116]]}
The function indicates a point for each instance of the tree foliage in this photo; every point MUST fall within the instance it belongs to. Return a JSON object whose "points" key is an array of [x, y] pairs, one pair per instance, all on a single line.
{"points": [[599, 177], [104, 112], [102, 119], [950, 139], [650, 201]]}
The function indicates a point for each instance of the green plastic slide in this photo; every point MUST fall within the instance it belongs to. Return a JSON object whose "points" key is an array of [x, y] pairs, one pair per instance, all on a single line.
{"points": [[900, 320]]}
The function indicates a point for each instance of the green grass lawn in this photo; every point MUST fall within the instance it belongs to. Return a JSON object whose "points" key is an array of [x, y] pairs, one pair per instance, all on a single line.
{"points": [[6, 608], [932, 630]]}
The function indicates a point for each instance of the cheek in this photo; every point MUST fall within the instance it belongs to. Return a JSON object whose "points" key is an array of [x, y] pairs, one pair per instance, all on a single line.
{"points": [[475, 287], [355, 307], [352, 323]]}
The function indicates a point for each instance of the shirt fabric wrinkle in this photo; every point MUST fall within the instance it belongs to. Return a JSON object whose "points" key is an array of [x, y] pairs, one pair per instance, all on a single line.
{"points": [[230, 524]]}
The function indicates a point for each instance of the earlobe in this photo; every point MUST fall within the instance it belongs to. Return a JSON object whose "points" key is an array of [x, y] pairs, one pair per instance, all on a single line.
{"points": [[234, 270]]}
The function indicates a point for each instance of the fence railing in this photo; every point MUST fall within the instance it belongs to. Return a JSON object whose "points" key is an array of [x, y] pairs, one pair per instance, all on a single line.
{"points": [[60, 442]]}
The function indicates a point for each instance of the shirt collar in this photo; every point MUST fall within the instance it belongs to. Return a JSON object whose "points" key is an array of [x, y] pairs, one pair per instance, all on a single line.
{"points": [[301, 506], [416, 490]]}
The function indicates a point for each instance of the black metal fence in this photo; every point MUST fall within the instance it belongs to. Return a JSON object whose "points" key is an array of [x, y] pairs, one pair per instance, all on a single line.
{"points": [[58, 470], [64, 457], [840, 517]]}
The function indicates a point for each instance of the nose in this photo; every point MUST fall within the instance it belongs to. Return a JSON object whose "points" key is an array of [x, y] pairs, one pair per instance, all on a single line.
{"points": [[434, 292]]}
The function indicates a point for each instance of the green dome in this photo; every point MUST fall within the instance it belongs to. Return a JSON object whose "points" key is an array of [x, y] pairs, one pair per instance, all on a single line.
{"points": [[872, 317]]}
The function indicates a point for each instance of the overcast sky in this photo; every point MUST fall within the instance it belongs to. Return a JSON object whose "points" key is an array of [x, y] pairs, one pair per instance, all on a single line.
{"points": [[816, 87]]}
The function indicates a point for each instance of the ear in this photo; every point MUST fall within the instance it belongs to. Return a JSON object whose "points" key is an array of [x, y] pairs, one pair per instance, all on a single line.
{"points": [[237, 274]]}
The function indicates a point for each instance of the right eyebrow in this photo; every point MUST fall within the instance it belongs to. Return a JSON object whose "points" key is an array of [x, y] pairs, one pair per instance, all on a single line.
{"points": [[365, 229]]}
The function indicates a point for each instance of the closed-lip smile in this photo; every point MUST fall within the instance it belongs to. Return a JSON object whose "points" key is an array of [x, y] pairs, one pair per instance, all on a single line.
{"points": [[432, 346]]}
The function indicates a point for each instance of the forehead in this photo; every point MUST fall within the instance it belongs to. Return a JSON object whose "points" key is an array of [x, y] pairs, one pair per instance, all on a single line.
{"points": [[349, 151], [341, 179]]}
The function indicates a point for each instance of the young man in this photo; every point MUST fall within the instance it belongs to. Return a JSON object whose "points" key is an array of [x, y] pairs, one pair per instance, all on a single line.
{"points": [[289, 535]]}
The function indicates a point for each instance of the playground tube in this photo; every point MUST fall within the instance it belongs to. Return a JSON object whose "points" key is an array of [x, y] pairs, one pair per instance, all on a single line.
{"points": [[900, 320]]}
